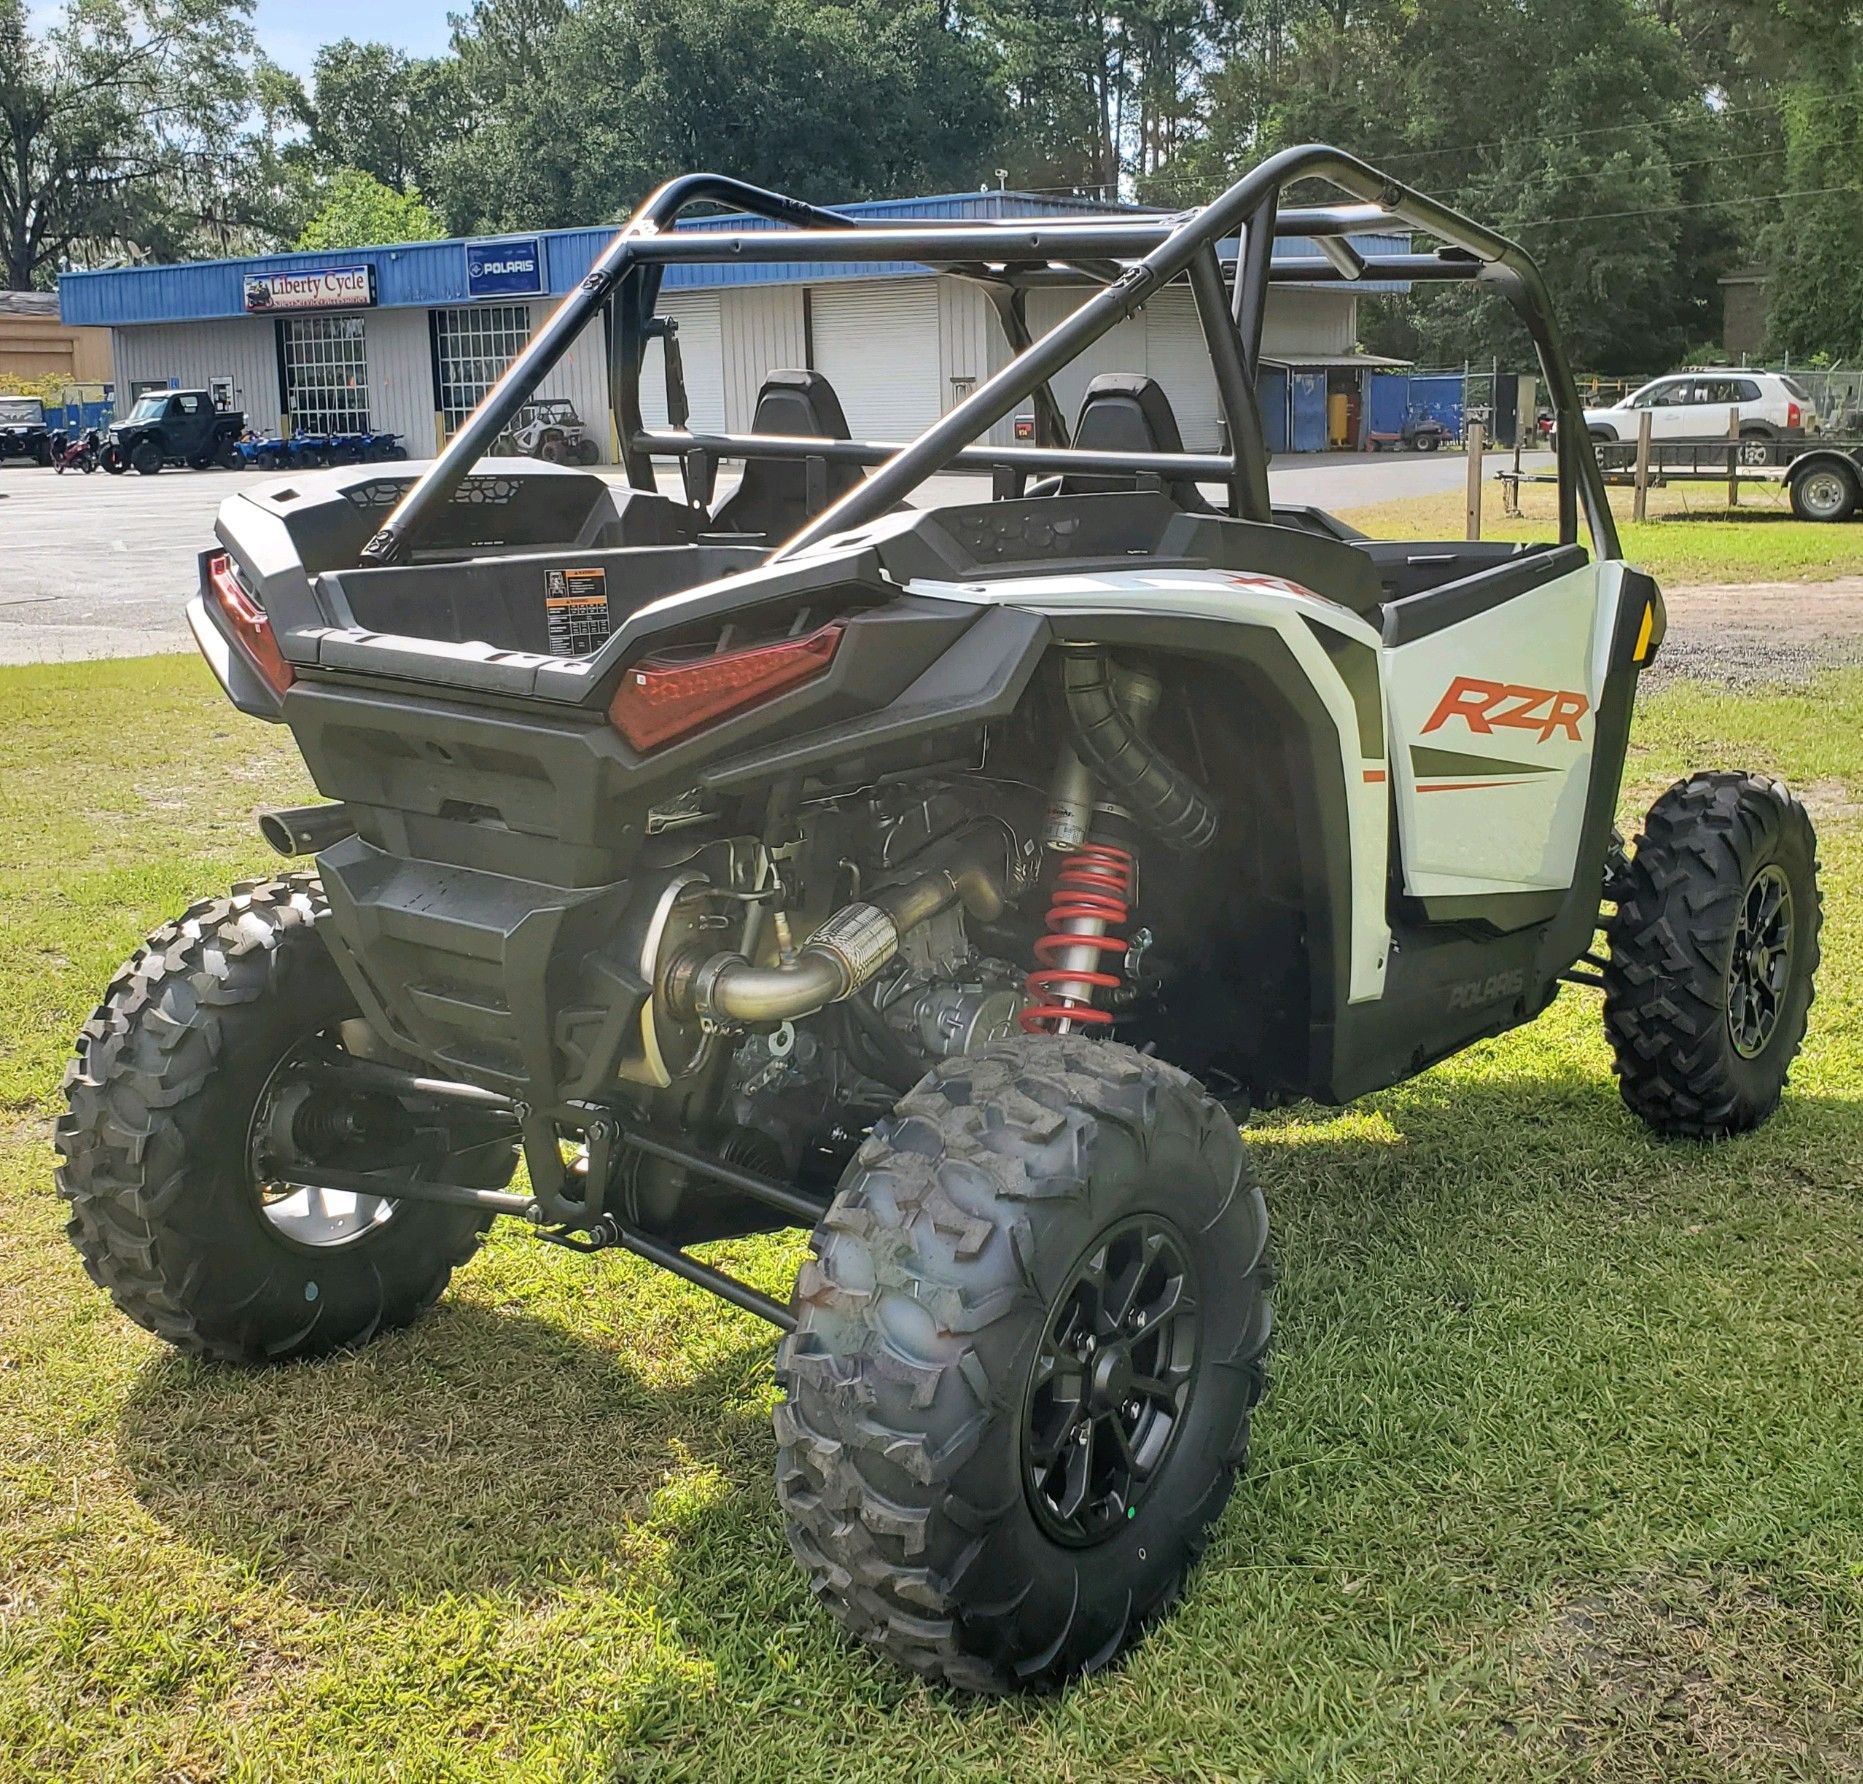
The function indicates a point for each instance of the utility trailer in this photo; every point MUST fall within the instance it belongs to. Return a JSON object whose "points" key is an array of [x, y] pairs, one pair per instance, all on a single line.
{"points": [[779, 860], [1823, 477]]}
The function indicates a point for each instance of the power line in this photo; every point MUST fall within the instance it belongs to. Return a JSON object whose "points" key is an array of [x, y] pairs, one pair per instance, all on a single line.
{"points": [[1502, 142], [1708, 204]]}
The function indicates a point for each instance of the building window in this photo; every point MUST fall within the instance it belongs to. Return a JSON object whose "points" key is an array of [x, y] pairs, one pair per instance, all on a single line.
{"points": [[472, 348], [326, 374]]}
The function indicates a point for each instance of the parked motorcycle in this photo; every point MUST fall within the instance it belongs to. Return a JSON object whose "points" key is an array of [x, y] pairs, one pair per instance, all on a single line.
{"points": [[81, 454]]}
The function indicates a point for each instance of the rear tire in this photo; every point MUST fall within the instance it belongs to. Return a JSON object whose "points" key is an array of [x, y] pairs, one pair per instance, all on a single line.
{"points": [[1825, 492], [945, 1365], [1755, 446], [1713, 955], [157, 1144]]}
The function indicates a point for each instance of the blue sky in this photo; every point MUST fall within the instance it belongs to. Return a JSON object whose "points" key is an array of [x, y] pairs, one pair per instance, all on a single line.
{"points": [[292, 30]]}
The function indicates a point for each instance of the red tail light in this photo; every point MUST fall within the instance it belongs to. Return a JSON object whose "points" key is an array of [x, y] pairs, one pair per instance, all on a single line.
{"points": [[659, 701], [1791, 415], [252, 631]]}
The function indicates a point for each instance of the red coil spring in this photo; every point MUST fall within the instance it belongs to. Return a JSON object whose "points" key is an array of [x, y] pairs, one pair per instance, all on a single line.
{"points": [[1094, 885]]}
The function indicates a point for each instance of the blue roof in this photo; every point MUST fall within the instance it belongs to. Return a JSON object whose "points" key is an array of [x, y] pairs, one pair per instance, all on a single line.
{"points": [[420, 274]]}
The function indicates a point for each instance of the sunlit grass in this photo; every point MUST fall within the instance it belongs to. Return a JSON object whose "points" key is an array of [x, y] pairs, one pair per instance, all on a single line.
{"points": [[1690, 537], [1558, 1476]]}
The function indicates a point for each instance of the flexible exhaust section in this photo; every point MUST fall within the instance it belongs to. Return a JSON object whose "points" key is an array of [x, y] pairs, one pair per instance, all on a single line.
{"points": [[973, 868], [1160, 796]]}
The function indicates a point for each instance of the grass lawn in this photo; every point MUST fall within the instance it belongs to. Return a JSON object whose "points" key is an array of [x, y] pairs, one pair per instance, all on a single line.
{"points": [[1690, 537], [1559, 1476]]}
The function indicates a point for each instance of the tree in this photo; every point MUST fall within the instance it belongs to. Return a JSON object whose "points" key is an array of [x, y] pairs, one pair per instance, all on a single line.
{"points": [[579, 111], [359, 211], [1579, 127], [375, 108], [123, 129], [1814, 243]]}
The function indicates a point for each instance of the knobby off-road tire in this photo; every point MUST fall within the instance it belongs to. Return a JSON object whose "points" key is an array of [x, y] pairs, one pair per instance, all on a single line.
{"points": [[154, 1144], [1703, 1027], [946, 1271]]}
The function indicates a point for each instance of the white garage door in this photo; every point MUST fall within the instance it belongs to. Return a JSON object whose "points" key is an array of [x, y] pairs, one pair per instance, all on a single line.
{"points": [[701, 356], [876, 342], [1120, 349], [1176, 355], [1163, 341]]}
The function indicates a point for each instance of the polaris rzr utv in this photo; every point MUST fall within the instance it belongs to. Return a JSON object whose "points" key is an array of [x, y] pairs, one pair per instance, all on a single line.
{"points": [[949, 881]]}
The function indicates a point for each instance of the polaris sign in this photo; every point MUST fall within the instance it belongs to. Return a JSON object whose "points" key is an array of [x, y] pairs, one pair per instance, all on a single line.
{"points": [[512, 268], [320, 288]]}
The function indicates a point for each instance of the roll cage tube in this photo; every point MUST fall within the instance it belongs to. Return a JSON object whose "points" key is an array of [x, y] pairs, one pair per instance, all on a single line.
{"points": [[1127, 259]]}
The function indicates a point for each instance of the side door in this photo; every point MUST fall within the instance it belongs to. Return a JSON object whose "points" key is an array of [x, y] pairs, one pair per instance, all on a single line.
{"points": [[1493, 687], [1671, 417], [1717, 397], [190, 424]]}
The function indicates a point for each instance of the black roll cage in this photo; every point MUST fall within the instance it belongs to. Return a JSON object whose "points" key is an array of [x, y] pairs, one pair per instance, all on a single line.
{"points": [[1126, 260]]}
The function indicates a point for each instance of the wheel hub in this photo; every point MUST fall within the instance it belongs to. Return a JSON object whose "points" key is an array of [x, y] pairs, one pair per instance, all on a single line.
{"points": [[1112, 1380], [1761, 963], [290, 1116], [1823, 492]]}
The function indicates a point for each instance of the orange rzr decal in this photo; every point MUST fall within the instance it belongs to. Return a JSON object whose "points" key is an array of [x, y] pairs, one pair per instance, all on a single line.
{"points": [[1487, 706]]}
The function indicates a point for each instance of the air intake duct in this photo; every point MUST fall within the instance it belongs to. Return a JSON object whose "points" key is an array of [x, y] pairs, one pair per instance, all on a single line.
{"points": [[1159, 795]]}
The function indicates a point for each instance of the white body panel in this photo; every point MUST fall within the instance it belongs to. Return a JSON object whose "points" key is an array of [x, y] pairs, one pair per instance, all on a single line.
{"points": [[1245, 599], [1491, 723]]}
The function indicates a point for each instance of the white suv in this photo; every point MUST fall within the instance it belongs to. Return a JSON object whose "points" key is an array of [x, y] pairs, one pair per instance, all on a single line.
{"points": [[1694, 406]]}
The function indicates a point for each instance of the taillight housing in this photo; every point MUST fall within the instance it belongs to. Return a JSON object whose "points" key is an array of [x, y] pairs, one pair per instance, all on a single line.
{"points": [[251, 630], [1791, 415], [661, 700]]}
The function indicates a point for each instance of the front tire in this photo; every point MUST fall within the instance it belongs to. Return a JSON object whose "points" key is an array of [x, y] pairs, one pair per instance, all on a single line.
{"points": [[146, 459], [1713, 955], [980, 1480], [168, 1210]]}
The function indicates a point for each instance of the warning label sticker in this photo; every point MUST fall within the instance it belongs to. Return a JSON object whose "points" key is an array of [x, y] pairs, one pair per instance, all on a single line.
{"points": [[575, 602]]}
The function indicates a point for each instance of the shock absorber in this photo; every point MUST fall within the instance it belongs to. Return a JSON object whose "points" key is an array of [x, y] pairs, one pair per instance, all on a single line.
{"points": [[1085, 937], [1084, 933]]}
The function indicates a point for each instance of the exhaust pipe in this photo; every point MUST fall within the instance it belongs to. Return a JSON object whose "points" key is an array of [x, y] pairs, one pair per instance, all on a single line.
{"points": [[306, 829], [846, 951]]}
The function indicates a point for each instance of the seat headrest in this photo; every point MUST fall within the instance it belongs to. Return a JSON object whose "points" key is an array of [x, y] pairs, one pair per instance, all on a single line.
{"points": [[797, 402], [1127, 412]]}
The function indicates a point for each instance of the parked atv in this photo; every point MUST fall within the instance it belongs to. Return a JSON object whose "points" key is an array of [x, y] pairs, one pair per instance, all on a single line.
{"points": [[174, 427], [947, 881], [549, 428]]}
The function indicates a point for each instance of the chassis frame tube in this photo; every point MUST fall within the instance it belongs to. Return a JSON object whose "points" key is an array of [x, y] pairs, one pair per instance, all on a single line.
{"points": [[1156, 249]]}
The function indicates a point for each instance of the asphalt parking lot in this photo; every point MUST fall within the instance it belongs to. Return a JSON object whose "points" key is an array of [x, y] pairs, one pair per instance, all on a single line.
{"points": [[102, 566]]}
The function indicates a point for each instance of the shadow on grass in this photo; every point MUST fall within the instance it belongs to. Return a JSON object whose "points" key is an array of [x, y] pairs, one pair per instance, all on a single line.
{"points": [[480, 1451], [486, 1451], [1725, 515]]}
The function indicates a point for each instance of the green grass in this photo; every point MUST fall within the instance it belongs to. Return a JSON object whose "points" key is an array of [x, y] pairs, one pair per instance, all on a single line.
{"points": [[1691, 536], [1559, 1475]]}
